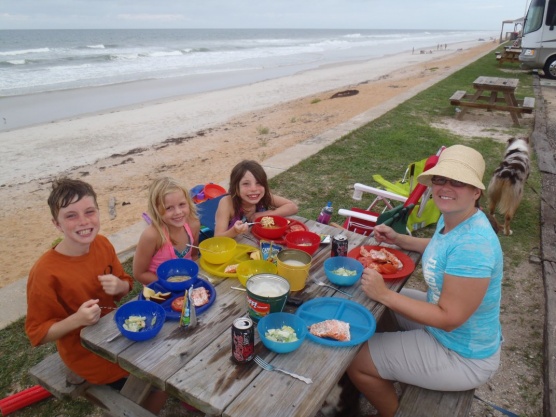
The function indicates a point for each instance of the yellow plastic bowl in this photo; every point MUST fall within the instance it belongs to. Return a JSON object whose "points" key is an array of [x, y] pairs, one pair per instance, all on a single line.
{"points": [[246, 269], [218, 250]]}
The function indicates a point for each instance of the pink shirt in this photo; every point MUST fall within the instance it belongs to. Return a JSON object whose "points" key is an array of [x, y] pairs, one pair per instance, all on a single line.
{"points": [[166, 251]]}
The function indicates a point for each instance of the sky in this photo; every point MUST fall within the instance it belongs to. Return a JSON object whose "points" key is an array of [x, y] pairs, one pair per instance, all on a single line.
{"points": [[327, 14]]}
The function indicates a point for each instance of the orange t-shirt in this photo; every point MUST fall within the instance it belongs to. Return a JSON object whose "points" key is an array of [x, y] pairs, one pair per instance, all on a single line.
{"points": [[57, 286]]}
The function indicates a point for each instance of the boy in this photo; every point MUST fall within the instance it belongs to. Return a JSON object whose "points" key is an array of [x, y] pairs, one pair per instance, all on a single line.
{"points": [[70, 283]]}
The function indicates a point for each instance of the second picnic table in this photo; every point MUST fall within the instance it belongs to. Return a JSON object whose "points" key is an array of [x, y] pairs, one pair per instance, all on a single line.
{"points": [[493, 93], [196, 366]]}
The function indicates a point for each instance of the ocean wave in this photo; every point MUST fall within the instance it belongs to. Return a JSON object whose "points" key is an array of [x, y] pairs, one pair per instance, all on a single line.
{"points": [[12, 62], [99, 46], [124, 56], [158, 54], [24, 51]]}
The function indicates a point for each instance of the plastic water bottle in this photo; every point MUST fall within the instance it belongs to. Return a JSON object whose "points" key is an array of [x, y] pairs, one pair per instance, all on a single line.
{"points": [[325, 214]]}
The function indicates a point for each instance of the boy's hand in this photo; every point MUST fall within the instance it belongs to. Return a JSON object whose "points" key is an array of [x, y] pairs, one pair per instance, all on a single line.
{"points": [[112, 285], [88, 313]]}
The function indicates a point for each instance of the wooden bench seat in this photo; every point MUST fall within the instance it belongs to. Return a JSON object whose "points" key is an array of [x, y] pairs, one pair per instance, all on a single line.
{"points": [[528, 104], [421, 402], [457, 97], [52, 373]]}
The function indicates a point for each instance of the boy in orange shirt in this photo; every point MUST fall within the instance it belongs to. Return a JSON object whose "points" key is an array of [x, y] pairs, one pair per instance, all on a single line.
{"points": [[70, 283]]}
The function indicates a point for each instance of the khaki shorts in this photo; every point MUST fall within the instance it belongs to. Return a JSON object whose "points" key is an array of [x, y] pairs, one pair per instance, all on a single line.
{"points": [[414, 357]]}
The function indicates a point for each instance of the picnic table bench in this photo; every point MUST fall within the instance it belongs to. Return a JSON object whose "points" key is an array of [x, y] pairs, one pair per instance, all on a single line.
{"points": [[508, 54], [493, 93]]}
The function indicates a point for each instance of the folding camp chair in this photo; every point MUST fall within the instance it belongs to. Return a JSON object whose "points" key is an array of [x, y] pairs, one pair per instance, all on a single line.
{"points": [[403, 218]]}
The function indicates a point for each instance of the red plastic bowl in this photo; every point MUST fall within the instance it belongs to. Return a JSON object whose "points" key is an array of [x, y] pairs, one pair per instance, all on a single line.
{"points": [[274, 232], [303, 240], [213, 190]]}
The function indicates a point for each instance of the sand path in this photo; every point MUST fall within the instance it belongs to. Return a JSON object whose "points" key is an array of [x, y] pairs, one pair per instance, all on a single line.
{"points": [[197, 139]]}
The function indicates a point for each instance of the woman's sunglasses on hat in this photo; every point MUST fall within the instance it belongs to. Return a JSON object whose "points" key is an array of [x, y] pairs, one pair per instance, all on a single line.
{"points": [[443, 180]]}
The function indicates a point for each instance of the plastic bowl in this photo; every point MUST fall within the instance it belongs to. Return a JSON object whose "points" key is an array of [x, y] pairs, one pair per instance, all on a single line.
{"points": [[213, 190], [154, 319], [247, 269], [177, 267], [274, 232], [336, 262], [218, 250], [303, 240], [276, 321]]}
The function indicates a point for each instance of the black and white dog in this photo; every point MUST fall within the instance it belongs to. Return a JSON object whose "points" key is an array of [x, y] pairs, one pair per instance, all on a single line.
{"points": [[505, 189]]}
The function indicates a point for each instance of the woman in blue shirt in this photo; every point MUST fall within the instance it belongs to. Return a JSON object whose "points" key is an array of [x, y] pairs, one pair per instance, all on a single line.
{"points": [[451, 335]]}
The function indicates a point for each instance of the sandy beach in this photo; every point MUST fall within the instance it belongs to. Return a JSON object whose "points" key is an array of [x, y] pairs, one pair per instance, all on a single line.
{"points": [[196, 138]]}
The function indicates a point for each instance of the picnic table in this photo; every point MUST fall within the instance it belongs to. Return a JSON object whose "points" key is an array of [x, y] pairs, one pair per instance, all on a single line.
{"points": [[508, 54], [493, 93], [195, 365]]}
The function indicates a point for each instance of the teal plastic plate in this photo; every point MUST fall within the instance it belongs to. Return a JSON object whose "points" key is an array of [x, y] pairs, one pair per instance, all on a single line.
{"points": [[362, 323]]}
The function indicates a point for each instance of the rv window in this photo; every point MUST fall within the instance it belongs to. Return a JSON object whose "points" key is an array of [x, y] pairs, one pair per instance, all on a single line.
{"points": [[534, 18], [551, 14]]}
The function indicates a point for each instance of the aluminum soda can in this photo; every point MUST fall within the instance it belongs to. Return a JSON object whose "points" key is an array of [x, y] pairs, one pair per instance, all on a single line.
{"points": [[243, 340], [339, 246]]}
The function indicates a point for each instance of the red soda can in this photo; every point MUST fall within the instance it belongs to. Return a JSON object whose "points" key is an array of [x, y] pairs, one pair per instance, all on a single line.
{"points": [[339, 246], [243, 340]]}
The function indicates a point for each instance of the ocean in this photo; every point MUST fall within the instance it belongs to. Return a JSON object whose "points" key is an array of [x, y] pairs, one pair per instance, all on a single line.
{"points": [[35, 61]]}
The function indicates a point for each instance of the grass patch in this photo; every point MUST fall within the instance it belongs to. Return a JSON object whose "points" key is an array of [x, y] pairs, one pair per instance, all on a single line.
{"points": [[262, 130], [315, 101]]}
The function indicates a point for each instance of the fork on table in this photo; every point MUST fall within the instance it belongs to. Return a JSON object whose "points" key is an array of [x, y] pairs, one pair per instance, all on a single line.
{"points": [[268, 367], [322, 284]]}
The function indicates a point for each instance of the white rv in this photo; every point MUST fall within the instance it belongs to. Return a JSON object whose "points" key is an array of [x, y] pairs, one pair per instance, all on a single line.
{"points": [[539, 38]]}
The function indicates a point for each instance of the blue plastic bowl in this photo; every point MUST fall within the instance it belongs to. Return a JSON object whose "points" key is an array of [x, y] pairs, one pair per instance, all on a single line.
{"points": [[331, 264], [175, 267], [154, 319], [276, 321]]}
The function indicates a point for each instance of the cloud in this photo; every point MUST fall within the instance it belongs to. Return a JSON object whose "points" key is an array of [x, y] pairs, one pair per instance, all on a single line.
{"points": [[151, 17]]}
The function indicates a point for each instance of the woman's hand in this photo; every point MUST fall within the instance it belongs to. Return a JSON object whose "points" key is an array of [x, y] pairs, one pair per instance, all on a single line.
{"points": [[385, 233], [373, 285]]}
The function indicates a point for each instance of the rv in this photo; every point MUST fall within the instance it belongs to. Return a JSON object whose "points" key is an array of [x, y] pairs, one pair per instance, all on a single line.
{"points": [[539, 38]]}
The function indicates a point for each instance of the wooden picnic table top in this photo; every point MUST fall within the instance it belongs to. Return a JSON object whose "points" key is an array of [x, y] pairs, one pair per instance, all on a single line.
{"points": [[496, 84], [195, 365]]}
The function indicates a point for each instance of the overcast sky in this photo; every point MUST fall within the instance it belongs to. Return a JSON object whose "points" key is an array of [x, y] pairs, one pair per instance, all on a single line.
{"points": [[341, 14]]}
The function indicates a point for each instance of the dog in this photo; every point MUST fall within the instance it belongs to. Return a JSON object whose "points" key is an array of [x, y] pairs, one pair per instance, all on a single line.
{"points": [[342, 400], [505, 189]]}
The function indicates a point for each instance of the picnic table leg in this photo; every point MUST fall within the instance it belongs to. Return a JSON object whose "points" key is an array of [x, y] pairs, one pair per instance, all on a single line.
{"points": [[136, 389], [512, 101], [473, 98]]}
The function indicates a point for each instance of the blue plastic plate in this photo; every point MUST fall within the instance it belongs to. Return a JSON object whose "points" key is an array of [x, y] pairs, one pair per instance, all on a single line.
{"points": [[167, 305], [362, 323]]}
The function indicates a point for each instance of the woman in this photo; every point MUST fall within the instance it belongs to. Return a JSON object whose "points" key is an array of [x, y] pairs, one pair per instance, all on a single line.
{"points": [[451, 335]]}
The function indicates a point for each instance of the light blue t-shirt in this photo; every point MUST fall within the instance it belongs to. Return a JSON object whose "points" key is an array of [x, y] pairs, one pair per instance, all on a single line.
{"points": [[471, 250]]}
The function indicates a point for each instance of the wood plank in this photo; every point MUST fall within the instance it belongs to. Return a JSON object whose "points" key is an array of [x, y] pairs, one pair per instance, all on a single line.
{"points": [[420, 402], [528, 103], [51, 373], [458, 95], [114, 403]]}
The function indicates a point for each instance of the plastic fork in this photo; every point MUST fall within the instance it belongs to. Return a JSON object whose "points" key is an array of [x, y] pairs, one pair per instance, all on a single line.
{"points": [[268, 367], [322, 284]]}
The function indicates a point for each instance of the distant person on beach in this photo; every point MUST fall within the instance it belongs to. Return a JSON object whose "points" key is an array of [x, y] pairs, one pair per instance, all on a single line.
{"points": [[174, 228], [451, 335], [249, 198], [70, 283]]}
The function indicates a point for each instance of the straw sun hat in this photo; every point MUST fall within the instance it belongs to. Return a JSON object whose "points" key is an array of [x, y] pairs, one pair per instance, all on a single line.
{"points": [[459, 163]]}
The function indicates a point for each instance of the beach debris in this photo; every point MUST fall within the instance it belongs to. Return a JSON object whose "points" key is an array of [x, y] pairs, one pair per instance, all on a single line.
{"points": [[345, 93], [112, 208]]}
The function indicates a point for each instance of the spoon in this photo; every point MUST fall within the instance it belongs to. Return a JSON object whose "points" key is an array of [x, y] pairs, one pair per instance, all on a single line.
{"points": [[238, 288], [197, 247]]}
